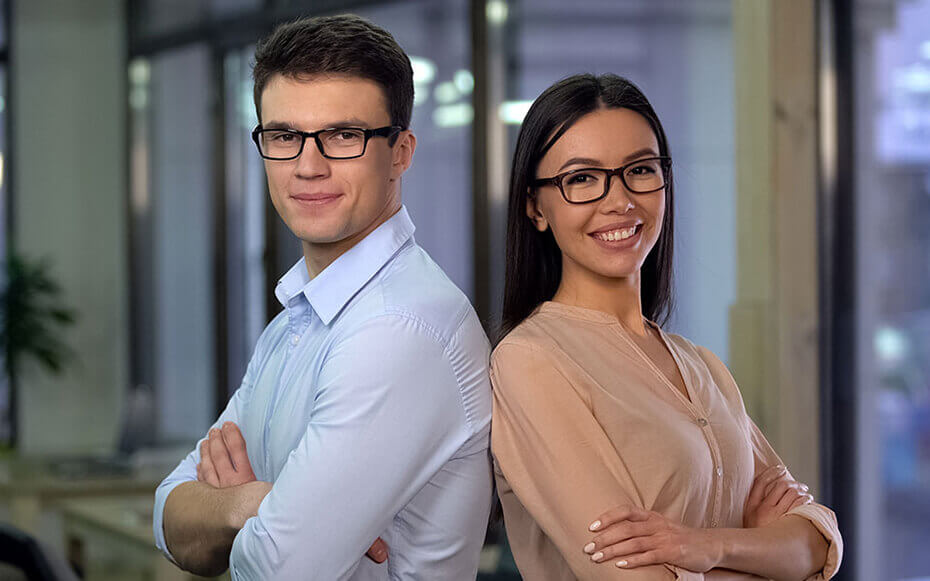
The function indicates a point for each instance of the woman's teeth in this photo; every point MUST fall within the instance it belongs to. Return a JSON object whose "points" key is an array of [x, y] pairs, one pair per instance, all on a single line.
{"points": [[616, 234]]}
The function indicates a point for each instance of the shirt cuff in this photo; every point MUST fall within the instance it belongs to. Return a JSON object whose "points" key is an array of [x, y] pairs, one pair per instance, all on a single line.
{"points": [[824, 520], [158, 517]]}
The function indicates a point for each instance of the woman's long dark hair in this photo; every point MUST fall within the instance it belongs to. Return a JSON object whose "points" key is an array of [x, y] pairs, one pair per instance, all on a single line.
{"points": [[534, 261]]}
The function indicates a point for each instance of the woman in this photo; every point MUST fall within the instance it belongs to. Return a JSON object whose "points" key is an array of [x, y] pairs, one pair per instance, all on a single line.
{"points": [[622, 452]]}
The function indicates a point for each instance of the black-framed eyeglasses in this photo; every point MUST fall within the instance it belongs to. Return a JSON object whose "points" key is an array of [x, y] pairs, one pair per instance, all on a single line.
{"points": [[333, 143], [590, 184]]}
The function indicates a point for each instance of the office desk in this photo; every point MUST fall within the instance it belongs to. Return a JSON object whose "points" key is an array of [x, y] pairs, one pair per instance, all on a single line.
{"points": [[110, 538]]}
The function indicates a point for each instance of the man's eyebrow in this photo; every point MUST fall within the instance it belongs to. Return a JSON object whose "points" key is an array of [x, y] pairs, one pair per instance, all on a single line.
{"points": [[346, 122]]}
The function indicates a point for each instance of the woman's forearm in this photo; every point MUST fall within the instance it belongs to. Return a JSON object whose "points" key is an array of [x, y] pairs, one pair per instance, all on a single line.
{"points": [[788, 549]]}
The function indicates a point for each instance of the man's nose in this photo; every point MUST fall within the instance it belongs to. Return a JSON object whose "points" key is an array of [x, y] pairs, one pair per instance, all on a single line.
{"points": [[310, 162]]}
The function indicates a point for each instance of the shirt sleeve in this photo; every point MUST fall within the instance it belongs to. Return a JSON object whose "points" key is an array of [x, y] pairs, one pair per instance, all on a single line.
{"points": [[820, 516], [186, 471], [558, 464], [387, 415]]}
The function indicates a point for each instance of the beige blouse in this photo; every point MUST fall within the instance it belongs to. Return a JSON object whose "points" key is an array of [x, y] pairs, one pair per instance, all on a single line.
{"points": [[583, 421]]}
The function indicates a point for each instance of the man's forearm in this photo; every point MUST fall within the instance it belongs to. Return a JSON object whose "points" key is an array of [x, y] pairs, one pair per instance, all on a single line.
{"points": [[201, 523], [787, 549]]}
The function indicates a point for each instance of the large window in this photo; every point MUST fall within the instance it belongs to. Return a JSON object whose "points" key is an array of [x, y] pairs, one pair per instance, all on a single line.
{"points": [[891, 245]]}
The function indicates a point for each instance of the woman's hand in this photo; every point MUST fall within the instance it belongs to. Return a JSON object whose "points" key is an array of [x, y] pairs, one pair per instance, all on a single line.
{"points": [[634, 537], [774, 492]]}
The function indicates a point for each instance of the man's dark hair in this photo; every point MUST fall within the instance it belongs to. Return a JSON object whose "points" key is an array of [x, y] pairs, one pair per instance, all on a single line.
{"points": [[344, 44]]}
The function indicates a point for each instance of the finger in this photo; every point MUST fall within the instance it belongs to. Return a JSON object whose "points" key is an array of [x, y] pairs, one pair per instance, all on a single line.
{"points": [[763, 479], [618, 532], [801, 501], [378, 551], [783, 479], [617, 514], [206, 465], [235, 445], [776, 492], [220, 456], [625, 548], [787, 499], [652, 557]]}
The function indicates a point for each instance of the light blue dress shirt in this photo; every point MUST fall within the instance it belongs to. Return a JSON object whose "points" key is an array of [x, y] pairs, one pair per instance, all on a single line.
{"points": [[367, 404]]}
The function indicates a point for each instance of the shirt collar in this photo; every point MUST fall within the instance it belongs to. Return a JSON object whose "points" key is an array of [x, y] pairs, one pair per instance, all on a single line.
{"points": [[330, 290]]}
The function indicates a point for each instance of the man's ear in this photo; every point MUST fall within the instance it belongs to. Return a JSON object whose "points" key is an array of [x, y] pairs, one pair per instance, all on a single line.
{"points": [[402, 153], [534, 214]]}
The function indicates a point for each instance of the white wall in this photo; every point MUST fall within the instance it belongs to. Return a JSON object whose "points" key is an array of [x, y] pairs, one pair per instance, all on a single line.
{"points": [[69, 163]]}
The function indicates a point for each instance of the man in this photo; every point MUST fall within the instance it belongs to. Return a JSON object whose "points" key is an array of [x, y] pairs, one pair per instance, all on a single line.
{"points": [[365, 409]]}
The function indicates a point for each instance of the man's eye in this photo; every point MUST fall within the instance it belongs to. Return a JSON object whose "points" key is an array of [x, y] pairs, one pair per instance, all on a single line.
{"points": [[283, 137], [347, 135]]}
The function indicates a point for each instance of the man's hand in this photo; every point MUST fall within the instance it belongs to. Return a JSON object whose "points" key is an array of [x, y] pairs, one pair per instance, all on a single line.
{"points": [[774, 492], [224, 462]]}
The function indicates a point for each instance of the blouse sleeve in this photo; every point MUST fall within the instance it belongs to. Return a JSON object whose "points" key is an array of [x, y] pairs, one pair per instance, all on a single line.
{"points": [[559, 464], [820, 516]]}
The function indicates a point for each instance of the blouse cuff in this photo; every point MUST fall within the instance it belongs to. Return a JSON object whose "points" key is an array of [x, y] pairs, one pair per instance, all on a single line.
{"points": [[824, 520], [684, 574]]}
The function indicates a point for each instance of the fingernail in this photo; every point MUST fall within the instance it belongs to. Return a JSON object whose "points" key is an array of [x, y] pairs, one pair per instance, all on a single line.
{"points": [[588, 548], [597, 556], [622, 563], [595, 525]]}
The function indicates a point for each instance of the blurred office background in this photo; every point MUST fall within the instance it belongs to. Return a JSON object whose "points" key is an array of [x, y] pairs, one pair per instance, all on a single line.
{"points": [[800, 132]]}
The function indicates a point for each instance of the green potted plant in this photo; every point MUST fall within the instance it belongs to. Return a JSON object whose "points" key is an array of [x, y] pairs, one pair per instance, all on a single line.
{"points": [[31, 315]]}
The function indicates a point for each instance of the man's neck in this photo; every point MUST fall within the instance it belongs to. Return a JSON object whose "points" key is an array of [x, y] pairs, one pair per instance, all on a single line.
{"points": [[317, 257]]}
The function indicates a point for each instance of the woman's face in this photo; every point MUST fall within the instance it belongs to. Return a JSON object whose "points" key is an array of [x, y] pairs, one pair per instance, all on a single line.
{"points": [[610, 237]]}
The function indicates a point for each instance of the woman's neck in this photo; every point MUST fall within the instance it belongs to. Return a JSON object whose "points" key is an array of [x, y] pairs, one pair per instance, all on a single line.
{"points": [[616, 296]]}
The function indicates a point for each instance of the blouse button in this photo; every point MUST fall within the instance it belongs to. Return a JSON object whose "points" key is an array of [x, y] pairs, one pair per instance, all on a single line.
{"points": [[702, 422], [719, 471], [713, 524]]}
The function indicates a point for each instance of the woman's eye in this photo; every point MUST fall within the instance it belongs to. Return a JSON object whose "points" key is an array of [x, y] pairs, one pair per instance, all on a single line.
{"points": [[642, 170], [579, 179]]}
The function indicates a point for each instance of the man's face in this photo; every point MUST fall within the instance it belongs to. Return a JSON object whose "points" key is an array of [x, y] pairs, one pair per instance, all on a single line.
{"points": [[331, 204]]}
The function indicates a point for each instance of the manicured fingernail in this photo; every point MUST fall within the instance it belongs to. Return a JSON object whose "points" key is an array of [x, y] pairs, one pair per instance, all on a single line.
{"points": [[597, 556], [588, 548], [595, 525], [622, 563]]}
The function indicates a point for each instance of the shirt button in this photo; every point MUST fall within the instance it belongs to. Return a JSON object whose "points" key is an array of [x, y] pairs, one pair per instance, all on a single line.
{"points": [[295, 339], [719, 471], [702, 422]]}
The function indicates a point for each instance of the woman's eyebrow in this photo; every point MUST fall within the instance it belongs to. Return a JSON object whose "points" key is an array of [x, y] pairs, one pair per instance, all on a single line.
{"points": [[582, 160], [640, 153], [597, 163]]}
